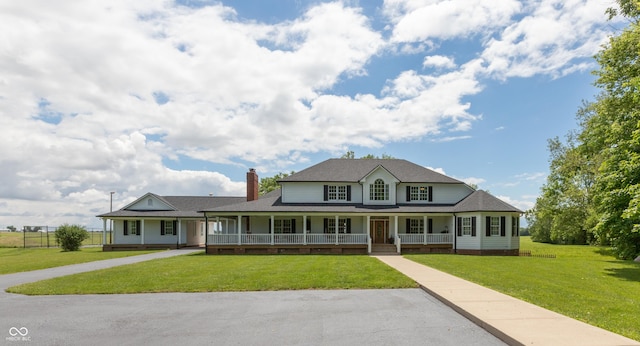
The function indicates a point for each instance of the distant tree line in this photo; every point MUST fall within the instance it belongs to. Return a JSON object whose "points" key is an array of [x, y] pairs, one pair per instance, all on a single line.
{"points": [[592, 193]]}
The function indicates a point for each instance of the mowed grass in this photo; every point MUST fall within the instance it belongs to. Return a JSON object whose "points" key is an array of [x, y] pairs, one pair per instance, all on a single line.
{"points": [[13, 260], [206, 273], [583, 282]]}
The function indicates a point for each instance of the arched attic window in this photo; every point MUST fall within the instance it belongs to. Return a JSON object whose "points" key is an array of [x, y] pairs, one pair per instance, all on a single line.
{"points": [[379, 191]]}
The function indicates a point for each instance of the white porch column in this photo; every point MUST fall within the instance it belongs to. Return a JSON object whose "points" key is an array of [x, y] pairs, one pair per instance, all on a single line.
{"points": [[425, 228], [304, 229], [179, 230], [395, 226], [273, 223], [239, 229], [142, 232], [337, 226], [104, 231], [396, 238], [226, 226], [368, 233]]}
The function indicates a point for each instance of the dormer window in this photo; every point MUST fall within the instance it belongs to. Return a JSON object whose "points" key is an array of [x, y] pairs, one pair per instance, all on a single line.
{"points": [[379, 191]]}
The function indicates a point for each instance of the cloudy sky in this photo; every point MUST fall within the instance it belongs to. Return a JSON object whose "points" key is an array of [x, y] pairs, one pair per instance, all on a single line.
{"points": [[182, 97]]}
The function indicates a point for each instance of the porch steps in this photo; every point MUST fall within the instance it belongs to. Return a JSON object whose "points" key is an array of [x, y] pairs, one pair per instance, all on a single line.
{"points": [[383, 249]]}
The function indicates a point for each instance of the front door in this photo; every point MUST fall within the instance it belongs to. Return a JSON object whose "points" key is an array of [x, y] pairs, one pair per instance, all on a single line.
{"points": [[379, 231]]}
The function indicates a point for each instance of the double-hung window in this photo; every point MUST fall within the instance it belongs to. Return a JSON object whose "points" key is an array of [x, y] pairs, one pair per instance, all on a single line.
{"points": [[494, 226], [422, 193], [344, 225], [416, 226], [337, 193], [168, 227], [419, 193], [466, 226], [131, 227], [282, 226]]}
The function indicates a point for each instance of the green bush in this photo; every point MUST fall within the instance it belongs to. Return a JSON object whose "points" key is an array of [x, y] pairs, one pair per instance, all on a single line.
{"points": [[70, 237]]}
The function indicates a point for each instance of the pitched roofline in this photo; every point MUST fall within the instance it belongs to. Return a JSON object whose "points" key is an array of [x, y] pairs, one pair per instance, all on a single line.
{"points": [[361, 180], [150, 194]]}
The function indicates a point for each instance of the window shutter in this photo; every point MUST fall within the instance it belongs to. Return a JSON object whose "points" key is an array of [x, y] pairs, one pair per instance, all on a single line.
{"points": [[293, 225], [326, 192], [125, 227], [308, 225], [473, 226], [348, 193], [269, 222], [518, 226], [459, 224], [430, 193], [162, 227], [503, 226], [175, 227], [348, 225], [408, 226], [137, 227], [408, 193], [326, 225], [429, 225], [488, 226]]}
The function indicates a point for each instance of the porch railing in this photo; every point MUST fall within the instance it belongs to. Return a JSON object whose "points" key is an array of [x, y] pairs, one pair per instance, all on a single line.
{"points": [[324, 238], [437, 238], [295, 239]]}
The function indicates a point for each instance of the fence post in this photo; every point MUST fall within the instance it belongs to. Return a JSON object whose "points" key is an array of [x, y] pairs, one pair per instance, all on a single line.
{"points": [[24, 238], [47, 236]]}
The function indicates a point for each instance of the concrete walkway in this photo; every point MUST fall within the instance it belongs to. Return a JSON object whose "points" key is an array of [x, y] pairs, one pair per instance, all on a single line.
{"points": [[512, 320]]}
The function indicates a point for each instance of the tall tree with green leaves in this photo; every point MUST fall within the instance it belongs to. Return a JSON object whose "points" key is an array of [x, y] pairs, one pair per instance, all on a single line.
{"points": [[594, 180], [269, 184], [616, 127]]}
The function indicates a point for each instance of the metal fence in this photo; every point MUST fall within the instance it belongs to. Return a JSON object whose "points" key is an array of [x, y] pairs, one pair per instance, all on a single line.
{"points": [[44, 236]]}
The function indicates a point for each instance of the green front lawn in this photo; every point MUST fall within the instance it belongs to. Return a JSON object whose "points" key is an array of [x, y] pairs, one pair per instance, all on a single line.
{"points": [[13, 260], [583, 282], [205, 273]]}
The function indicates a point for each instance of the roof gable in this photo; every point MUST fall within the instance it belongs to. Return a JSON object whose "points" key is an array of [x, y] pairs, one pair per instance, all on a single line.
{"points": [[379, 171], [354, 170], [150, 201], [182, 206]]}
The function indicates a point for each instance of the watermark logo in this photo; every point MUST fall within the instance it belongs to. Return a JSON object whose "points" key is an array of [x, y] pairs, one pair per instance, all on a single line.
{"points": [[18, 334]]}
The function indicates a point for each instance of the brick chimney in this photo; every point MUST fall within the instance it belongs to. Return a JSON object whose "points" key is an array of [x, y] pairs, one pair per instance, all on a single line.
{"points": [[252, 185]]}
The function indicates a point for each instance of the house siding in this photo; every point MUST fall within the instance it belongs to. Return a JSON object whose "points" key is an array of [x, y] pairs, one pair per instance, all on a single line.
{"points": [[313, 192], [441, 193]]}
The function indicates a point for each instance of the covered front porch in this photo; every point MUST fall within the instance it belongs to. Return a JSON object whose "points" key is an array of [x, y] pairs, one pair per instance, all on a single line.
{"points": [[332, 234]]}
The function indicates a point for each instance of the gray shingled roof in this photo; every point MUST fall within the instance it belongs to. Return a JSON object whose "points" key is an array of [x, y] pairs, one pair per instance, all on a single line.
{"points": [[185, 206], [353, 170], [483, 201]]}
